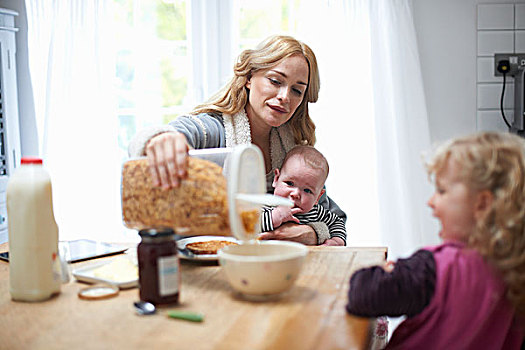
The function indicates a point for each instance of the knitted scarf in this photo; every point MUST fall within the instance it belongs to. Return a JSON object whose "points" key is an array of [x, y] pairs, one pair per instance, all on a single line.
{"points": [[238, 132]]}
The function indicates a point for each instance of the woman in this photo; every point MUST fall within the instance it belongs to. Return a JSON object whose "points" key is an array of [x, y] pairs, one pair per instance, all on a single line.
{"points": [[265, 103]]}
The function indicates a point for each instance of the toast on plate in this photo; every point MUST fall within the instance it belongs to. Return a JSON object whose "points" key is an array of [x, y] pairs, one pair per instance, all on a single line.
{"points": [[208, 247]]}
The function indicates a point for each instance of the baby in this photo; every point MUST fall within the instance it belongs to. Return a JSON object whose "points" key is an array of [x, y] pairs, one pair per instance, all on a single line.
{"points": [[301, 179], [469, 291]]}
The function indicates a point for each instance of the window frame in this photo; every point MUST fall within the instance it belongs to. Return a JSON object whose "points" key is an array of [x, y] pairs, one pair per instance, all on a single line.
{"points": [[211, 23]]}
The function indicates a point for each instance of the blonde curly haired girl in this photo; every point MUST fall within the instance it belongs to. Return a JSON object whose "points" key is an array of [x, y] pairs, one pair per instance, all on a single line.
{"points": [[468, 292]]}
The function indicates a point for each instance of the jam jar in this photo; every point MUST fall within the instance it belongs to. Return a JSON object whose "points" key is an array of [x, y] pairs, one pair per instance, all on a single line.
{"points": [[159, 269]]}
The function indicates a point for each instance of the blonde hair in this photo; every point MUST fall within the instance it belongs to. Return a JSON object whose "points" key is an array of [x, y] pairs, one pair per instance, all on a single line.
{"points": [[311, 156], [495, 162], [233, 97]]}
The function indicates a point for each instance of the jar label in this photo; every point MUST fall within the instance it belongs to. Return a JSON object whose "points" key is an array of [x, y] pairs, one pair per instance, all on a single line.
{"points": [[168, 275]]}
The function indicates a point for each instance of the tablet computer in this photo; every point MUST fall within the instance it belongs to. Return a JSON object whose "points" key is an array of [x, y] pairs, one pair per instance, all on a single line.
{"points": [[85, 249]]}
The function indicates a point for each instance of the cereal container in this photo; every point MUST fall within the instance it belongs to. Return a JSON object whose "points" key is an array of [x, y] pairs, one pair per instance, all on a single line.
{"points": [[198, 206], [222, 195]]}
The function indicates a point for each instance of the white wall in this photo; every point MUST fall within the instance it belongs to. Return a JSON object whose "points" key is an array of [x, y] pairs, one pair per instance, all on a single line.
{"points": [[501, 29], [447, 38]]}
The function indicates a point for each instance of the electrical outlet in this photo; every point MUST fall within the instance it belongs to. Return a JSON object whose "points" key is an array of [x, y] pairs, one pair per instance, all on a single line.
{"points": [[517, 61]]}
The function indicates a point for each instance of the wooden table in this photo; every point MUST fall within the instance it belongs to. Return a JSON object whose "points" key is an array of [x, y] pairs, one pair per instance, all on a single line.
{"points": [[310, 316]]}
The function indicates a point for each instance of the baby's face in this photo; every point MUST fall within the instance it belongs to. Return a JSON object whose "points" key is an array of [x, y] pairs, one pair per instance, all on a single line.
{"points": [[299, 182]]}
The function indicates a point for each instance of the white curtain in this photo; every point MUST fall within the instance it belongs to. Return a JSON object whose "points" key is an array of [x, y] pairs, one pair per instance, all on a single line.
{"points": [[371, 119], [72, 70], [338, 32], [401, 129]]}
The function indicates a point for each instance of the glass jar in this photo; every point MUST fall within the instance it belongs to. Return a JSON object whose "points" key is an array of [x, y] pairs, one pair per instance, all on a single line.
{"points": [[159, 269]]}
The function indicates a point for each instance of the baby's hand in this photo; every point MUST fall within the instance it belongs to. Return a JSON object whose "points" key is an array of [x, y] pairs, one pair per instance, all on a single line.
{"points": [[281, 215]]}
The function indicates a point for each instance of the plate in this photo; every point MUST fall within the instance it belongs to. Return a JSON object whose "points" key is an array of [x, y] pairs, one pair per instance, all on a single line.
{"points": [[186, 254], [97, 272]]}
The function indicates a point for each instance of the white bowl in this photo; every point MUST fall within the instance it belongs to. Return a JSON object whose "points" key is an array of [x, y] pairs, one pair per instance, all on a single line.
{"points": [[263, 268]]}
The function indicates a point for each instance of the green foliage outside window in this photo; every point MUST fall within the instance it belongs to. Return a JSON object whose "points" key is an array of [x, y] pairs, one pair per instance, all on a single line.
{"points": [[169, 117], [171, 20], [123, 10], [173, 88], [261, 19]]}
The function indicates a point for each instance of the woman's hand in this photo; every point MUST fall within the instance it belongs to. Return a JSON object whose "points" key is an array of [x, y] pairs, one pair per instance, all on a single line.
{"points": [[336, 241], [168, 158], [292, 232]]}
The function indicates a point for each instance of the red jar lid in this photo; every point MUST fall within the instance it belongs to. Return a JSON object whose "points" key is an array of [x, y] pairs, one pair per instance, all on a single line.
{"points": [[31, 160]]}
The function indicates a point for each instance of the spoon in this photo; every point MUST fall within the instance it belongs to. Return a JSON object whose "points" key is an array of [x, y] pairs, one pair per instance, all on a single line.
{"points": [[264, 199], [144, 308]]}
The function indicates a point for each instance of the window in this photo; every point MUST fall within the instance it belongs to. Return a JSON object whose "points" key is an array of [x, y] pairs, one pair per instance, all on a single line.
{"points": [[174, 54], [152, 75], [259, 19]]}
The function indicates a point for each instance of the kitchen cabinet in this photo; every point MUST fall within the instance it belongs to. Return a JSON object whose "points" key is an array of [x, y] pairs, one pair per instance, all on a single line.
{"points": [[9, 127]]}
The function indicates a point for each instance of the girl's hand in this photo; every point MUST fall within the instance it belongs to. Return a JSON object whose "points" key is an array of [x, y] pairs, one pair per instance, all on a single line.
{"points": [[168, 159], [389, 266]]}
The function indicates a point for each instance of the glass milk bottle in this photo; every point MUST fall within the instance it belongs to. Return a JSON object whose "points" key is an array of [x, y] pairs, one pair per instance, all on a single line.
{"points": [[34, 266]]}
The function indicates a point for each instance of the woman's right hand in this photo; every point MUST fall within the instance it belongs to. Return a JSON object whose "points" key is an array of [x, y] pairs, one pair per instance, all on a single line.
{"points": [[168, 158], [291, 231]]}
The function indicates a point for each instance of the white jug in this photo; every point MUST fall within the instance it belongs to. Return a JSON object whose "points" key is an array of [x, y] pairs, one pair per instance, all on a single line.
{"points": [[34, 265]]}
